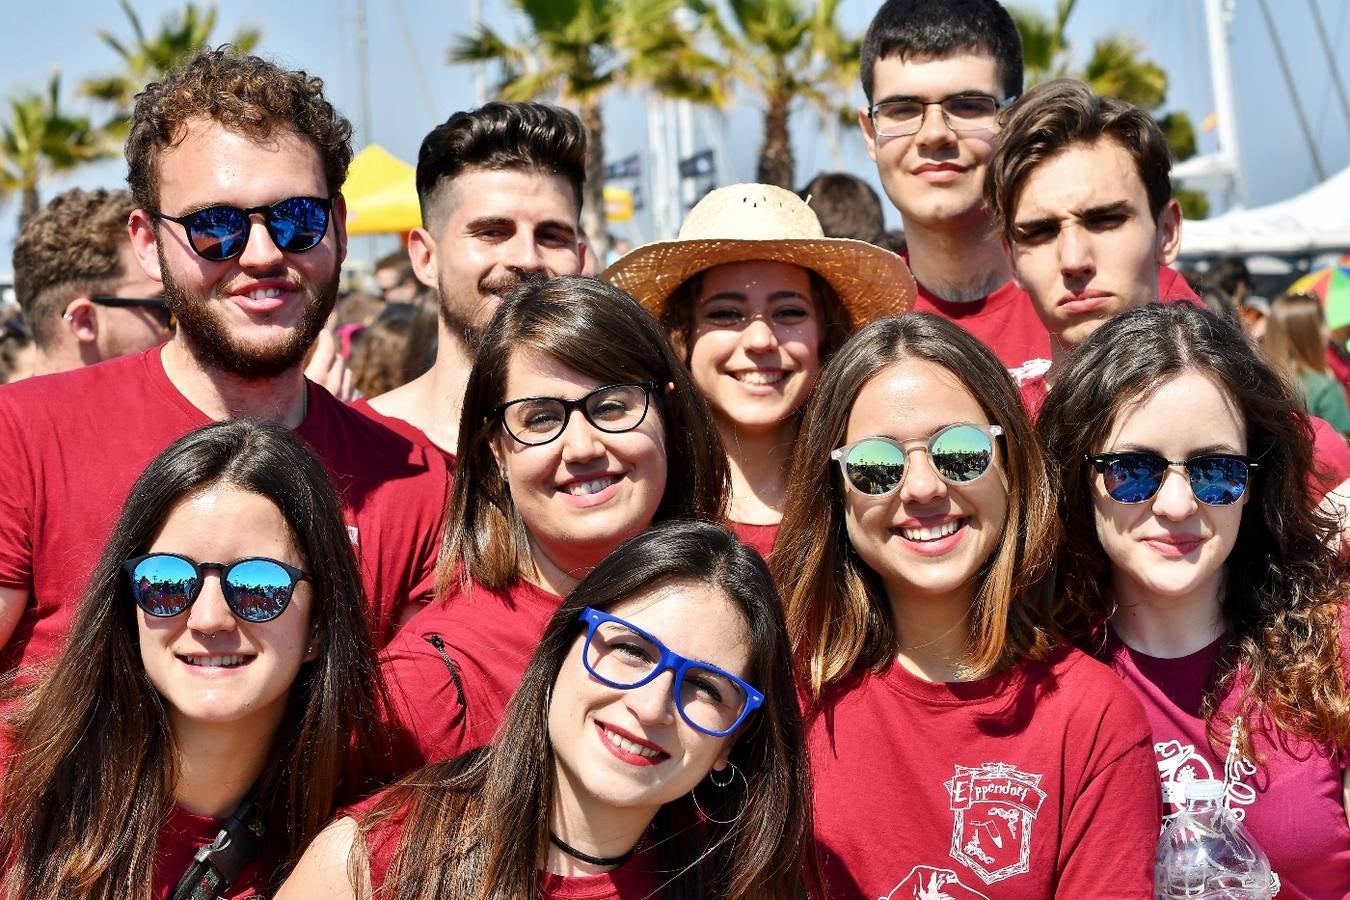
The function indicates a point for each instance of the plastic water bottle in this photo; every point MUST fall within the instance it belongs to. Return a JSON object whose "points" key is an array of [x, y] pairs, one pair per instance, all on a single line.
{"points": [[1206, 854]]}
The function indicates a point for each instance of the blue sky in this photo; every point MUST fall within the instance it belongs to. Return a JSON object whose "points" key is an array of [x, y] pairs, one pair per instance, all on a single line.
{"points": [[411, 87]]}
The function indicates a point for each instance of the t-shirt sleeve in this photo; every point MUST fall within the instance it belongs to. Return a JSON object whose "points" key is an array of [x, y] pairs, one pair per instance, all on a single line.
{"points": [[430, 530], [1111, 833], [17, 482], [1331, 458]]}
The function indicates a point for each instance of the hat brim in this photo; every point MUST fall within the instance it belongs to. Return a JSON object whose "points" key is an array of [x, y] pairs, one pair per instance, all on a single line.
{"points": [[871, 281]]}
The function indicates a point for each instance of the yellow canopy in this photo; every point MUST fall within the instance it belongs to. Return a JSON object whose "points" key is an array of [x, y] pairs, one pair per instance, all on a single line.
{"points": [[381, 192]]}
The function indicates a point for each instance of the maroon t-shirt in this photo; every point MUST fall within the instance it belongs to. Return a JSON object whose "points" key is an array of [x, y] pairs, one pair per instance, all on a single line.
{"points": [[637, 879], [76, 442], [1292, 803], [759, 537], [181, 837], [403, 427], [452, 668], [1035, 783]]}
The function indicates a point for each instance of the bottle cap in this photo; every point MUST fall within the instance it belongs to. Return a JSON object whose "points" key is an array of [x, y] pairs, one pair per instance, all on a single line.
{"points": [[1204, 789]]}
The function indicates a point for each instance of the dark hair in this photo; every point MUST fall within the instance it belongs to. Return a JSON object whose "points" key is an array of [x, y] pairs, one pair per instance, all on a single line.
{"points": [[15, 337], [1284, 584], [497, 135], [245, 94], [846, 206], [1055, 116], [381, 359], [837, 609], [476, 826], [919, 29], [600, 331], [93, 765], [72, 244]]}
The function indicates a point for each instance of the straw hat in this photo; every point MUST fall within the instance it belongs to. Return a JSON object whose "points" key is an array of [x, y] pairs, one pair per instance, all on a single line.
{"points": [[744, 222]]}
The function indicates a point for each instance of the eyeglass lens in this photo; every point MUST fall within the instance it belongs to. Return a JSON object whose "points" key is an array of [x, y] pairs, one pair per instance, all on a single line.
{"points": [[221, 232], [963, 113], [1136, 477], [256, 590], [960, 454], [621, 656], [614, 409]]}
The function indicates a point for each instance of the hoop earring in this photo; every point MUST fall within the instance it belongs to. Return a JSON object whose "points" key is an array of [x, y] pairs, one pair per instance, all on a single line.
{"points": [[712, 777]]}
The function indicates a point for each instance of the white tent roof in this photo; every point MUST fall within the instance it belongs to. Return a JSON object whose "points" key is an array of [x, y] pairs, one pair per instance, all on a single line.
{"points": [[1312, 222]]}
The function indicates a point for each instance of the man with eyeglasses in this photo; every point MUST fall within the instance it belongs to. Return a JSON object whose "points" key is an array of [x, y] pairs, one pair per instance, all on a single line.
{"points": [[82, 294], [236, 167], [937, 76]]}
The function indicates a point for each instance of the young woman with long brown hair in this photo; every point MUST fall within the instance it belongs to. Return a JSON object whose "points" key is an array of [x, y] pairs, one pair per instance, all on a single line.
{"points": [[1194, 565], [757, 300], [580, 429], [653, 750], [1295, 343], [955, 750], [219, 666]]}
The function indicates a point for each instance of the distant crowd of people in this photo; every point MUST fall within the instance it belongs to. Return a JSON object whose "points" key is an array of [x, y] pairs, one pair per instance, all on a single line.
{"points": [[783, 559]]}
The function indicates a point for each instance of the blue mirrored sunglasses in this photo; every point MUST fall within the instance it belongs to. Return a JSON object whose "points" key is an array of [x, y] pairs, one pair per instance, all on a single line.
{"points": [[1216, 479], [257, 588], [218, 233], [623, 656]]}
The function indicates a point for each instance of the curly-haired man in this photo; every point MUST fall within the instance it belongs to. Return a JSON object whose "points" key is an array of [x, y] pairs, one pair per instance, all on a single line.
{"points": [[236, 168]]}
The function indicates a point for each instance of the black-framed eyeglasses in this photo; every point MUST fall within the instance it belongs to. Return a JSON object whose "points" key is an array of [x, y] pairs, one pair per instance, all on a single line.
{"points": [[155, 305], [256, 588], [1216, 479], [959, 453], [623, 656], [613, 408], [218, 233], [963, 113]]}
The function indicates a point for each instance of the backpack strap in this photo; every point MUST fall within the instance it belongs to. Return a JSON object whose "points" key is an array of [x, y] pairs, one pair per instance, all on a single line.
{"points": [[216, 865]]}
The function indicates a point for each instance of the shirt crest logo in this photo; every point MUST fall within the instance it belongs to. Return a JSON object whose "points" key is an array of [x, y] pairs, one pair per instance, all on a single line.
{"points": [[994, 807]]}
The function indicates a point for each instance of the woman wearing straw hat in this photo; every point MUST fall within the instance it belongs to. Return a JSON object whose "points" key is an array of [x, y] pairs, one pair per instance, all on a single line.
{"points": [[756, 299]]}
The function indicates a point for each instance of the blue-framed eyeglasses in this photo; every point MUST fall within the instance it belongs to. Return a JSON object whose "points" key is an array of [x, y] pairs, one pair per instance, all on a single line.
{"points": [[621, 655]]}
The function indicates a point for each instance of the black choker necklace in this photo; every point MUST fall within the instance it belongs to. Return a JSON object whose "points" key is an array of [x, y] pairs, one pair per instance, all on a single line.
{"points": [[593, 860]]}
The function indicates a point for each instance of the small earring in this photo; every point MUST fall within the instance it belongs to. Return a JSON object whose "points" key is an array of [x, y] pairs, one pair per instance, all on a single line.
{"points": [[732, 776]]}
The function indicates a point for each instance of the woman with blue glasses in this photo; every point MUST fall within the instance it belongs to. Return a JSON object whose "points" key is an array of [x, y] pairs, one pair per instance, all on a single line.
{"points": [[193, 736], [1195, 566], [653, 750], [955, 750], [580, 429]]}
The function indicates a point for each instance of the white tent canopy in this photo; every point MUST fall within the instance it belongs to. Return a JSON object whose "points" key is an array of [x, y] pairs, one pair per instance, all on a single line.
{"points": [[1316, 221]]}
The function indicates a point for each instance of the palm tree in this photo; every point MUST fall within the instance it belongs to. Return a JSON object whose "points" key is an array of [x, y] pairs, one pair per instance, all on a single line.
{"points": [[147, 57], [40, 140], [1116, 68], [577, 51], [782, 51]]}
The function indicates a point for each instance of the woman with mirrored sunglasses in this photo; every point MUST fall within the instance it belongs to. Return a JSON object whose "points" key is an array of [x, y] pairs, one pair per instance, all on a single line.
{"points": [[653, 749], [218, 670], [580, 429], [1195, 566], [913, 556]]}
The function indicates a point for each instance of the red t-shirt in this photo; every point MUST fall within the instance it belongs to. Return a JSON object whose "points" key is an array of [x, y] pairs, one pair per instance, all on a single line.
{"points": [[181, 837], [637, 879], [450, 698], [76, 442], [1034, 783], [1006, 321], [760, 537], [403, 427], [1292, 804]]}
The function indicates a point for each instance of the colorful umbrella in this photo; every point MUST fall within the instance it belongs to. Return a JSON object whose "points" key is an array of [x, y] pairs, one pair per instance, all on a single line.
{"points": [[1332, 287]]}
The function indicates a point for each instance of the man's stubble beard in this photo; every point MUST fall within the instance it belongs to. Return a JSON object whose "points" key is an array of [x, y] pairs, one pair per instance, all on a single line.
{"points": [[460, 320], [215, 346]]}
